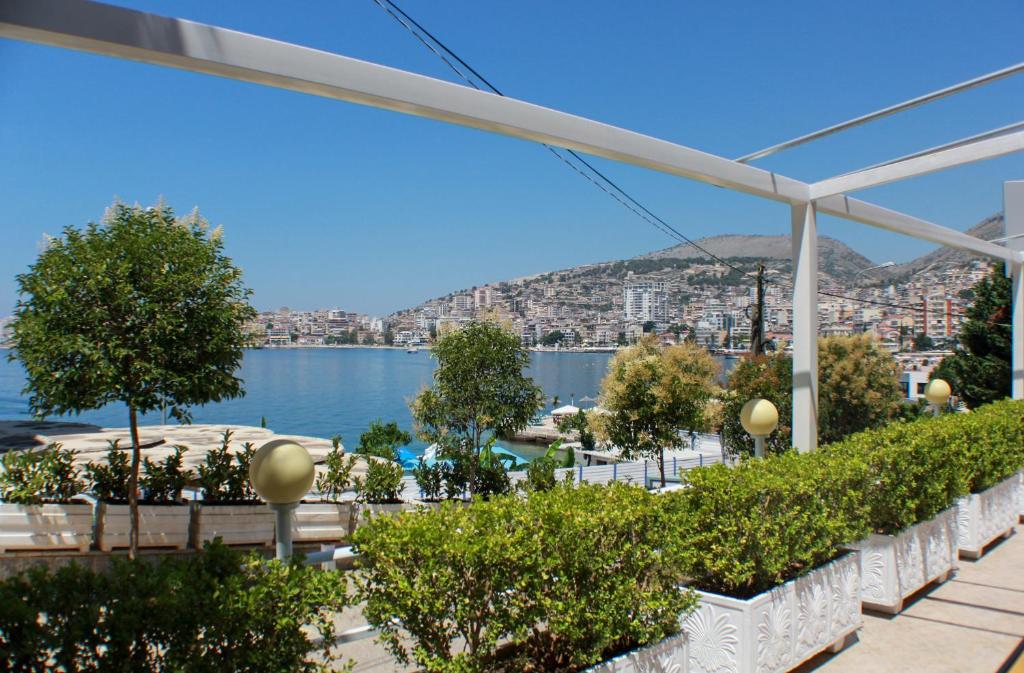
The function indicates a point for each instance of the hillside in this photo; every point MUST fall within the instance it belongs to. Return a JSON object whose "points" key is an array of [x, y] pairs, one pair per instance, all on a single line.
{"points": [[835, 258], [989, 228]]}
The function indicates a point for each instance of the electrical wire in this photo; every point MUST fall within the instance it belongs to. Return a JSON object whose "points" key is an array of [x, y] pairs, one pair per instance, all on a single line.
{"points": [[609, 187]]}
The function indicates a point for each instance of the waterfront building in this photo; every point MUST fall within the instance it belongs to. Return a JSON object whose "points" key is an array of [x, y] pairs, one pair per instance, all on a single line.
{"points": [[645, 301]]}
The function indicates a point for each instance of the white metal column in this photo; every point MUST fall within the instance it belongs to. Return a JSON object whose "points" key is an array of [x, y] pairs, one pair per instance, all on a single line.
{"points": [[805, 327], [1013, 212]]}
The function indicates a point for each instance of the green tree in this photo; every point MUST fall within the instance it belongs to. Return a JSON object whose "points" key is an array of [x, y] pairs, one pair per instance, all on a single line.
{"points": [[923, 342], [858, 388], [768, 377], [653, 395], [979, 369], [479, 388], [143, 309], [552, 338], [389, 336], [383, 440]]}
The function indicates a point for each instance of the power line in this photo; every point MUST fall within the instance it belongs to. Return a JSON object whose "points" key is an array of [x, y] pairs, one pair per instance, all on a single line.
{"points": [[610, 187]]}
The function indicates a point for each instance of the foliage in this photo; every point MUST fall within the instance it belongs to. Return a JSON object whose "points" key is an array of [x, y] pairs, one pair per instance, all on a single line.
{"points": [[479, 388], [429, 479], [653, 394], [754, 526], [923, 342], [578, 423], [382, 483], [858, 388], [491, 476], [979, 370], [540, 473], [163, 482], [524, 583], [109, 481], [383, 440], [552, 338], [216, 611], [34, 478], [143, 309], [337, 478], [991, 443], [768, 377], [224, 477]]}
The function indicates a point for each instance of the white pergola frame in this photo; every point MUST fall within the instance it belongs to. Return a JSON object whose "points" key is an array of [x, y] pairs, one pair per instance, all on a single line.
{"points": [[98, 28]]}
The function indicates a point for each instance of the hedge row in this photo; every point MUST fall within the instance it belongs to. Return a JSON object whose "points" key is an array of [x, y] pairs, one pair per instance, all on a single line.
{"points": [[920, 468], [217, 611], [554, 581], [561, 579]]}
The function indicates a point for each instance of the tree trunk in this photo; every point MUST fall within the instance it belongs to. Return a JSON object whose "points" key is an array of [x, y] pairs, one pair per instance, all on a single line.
{"points": [[474, 462], [133, 485], [661, 465]]}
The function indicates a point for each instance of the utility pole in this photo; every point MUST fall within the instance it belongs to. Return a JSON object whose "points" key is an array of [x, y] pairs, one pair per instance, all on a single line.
{"points": [[757, 320]]}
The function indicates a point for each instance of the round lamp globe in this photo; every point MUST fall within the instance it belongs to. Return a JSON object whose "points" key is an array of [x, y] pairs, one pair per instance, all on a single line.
{"points": [[281, 472], [759, 417], [937, 392]]}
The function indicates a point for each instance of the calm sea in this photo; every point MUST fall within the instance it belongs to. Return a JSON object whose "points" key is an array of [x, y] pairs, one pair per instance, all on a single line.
{"points": [[322, 392]]}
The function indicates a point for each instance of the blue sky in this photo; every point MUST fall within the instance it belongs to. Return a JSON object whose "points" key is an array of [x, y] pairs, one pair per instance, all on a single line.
{"points": [[330, 204]]}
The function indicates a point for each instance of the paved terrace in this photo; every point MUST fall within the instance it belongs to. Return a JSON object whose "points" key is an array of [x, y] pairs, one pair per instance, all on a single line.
{"points": [[971, 624]]}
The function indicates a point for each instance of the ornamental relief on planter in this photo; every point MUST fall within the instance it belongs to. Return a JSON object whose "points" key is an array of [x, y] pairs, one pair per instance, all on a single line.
{"points": [[713, 639], [846, 590], [774, 634], [909, 563], [874, 574], [812, 629]]}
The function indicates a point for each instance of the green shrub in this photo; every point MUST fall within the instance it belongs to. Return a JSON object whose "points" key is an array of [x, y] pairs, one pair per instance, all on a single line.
{"points": [[109, 481], [382, 483], [991, 442], [163, 482], [337, 478], [216, 611], [555, 581], [383, 440], [33, 478], [540, 473], [749, 528], [223, 477], [429, 479]]}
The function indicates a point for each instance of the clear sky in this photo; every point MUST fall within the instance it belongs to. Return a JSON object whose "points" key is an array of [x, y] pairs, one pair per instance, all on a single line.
{"points": [[329, 204]]}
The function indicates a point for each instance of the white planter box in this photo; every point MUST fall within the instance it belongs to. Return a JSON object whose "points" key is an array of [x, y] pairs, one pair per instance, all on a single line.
{"points": [[159, 526], [776, 631], [895, 566], [983, 517], [234, 524], [668, 656], [44, 527], [323, 522], [1020, 494]]}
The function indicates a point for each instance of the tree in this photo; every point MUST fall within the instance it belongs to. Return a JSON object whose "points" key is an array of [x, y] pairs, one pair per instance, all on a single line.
{"points": [[479, 388], [649, 327], [653, 395], [143, 309], [979, 369], [552, 338], [762, 376], [923, 342], [383, 440], [858, 388], [389, 336]]}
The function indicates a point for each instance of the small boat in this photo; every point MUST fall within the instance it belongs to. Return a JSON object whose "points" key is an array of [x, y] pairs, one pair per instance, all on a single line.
{"points": [[413, 349]]}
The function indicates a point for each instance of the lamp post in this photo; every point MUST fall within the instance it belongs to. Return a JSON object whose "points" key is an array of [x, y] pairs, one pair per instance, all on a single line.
{"points": [[281, 473], [937, 393], [759, 418]]}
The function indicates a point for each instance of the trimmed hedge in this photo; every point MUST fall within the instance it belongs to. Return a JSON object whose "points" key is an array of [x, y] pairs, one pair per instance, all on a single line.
{"points": [[555, 581], [920, 468], [751, 527], [217, 611]]}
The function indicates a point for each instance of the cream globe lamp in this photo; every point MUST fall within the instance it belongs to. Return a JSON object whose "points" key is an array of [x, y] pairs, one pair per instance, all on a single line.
{"points": [[937, 393], [282, 473], [759, 418]]}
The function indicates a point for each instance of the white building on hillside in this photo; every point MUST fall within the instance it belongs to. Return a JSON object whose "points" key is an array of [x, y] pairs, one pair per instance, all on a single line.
{"points": [[644, 301]]}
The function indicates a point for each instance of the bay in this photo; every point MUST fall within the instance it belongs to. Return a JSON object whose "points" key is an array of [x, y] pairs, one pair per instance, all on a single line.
{"points": [[322, 392]]}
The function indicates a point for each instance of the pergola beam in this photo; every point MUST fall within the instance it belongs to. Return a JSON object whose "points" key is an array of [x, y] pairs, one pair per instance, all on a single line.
{"points": [[957, 155], [128, 34]]}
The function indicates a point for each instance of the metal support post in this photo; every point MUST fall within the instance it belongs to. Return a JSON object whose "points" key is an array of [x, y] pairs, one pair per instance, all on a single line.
{"points": [[758, 446], [1013, 212], [283, 529], [805, 327]]}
